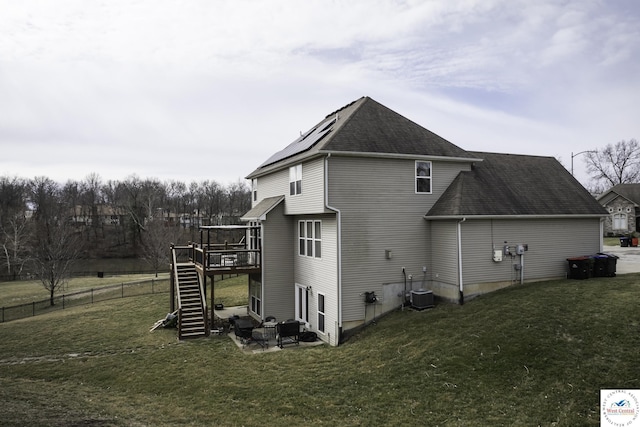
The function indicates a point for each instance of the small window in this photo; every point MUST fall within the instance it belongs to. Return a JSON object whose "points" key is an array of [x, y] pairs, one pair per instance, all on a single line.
{"points": [[423, 177], [321, 312], [254, 189], [295, 180]]}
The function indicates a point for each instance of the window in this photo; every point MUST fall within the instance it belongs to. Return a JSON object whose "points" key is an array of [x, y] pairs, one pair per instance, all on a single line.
{"points": [[254, 189], [255, 290], [619, 221], [295, 180], [320, 312], [310, 238], [302, 309], [423, 177]]}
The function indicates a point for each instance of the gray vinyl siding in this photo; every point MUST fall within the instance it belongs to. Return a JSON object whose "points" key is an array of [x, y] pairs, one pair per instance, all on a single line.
{"points": [[321, 274], [550, 243], [444, 252], [312, 198], [277, 265], [381, 211]]}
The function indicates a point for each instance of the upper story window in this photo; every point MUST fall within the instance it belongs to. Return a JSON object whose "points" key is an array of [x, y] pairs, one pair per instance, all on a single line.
{"points": [[254, 189], [310, 238], [295, 180], [423, 177]]}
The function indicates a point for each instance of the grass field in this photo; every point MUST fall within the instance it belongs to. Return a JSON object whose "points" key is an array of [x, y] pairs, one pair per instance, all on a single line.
{"points": [[533, 354], [230, 291]]}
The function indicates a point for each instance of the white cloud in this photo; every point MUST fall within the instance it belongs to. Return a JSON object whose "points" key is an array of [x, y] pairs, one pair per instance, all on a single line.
{"points": [[137, 86]]}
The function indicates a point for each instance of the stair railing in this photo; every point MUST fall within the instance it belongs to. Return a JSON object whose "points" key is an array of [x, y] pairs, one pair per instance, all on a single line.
{"points": [[176, 281]]}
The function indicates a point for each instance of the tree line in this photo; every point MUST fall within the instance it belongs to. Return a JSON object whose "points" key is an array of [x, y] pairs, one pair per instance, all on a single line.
{"points": [[45, 226]]}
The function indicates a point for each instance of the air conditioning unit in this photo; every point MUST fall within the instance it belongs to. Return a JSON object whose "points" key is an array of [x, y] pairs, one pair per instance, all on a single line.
{"points": [[421, 299]]}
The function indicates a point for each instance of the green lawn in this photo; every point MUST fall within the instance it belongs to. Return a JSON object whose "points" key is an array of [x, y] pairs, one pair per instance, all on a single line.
{"points": [[26, 291], [533, 354]]}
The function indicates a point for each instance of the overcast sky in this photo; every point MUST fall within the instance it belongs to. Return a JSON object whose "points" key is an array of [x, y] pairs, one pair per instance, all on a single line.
{"points": [[208, 89]]}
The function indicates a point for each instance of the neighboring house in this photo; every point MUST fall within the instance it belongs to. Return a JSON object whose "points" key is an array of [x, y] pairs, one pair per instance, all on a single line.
{"points": [[369, 201], [103, 214], [622, 202]]}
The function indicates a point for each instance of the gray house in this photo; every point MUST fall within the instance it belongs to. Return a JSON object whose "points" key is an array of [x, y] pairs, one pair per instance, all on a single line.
{"points": [[368, 206], [622, 203]]}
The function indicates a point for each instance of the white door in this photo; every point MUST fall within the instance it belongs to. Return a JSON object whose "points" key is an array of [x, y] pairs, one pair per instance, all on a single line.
{"points": [[302, 308]]}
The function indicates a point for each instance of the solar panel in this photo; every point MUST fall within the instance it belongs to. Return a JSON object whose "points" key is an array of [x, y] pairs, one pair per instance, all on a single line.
{"points": [[303, 143]]}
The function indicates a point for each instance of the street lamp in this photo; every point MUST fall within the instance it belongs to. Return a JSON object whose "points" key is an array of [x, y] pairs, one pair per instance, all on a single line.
{"points": [[577, 154]]}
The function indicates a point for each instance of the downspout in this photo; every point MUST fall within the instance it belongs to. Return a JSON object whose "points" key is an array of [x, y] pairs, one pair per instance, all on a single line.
{"points": [[461, 290], [262, 270], [601, 243], [339, 249]]}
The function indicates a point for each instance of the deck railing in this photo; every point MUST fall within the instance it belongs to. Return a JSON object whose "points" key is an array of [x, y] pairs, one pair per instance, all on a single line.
{"points": [[227, 257]]}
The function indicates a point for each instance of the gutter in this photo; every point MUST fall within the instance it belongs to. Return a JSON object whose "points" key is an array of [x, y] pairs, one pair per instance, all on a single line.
{"points": [[339, 248], [399, 156], [461, 290], [465, 217]]}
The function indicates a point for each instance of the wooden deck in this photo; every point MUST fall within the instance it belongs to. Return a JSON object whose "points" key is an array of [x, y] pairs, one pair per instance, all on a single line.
{"points": [[223, 258]]}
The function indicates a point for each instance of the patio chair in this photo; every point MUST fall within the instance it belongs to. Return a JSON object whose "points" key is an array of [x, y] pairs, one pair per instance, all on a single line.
{"points": [[288, 332]]}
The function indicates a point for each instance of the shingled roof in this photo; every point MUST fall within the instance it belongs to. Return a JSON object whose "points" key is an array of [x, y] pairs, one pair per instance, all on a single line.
{"points": [[630, 192], [363, 126], [374, 128], [515, 185]]}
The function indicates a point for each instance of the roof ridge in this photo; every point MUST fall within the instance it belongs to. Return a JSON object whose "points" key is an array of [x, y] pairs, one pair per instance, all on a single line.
{"points": [[344, 107]]}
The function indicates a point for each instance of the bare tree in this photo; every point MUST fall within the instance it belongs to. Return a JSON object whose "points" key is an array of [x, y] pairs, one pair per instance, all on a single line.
{"points": [[617, 163], [157, 237], [55, 244], [15, 236], [14, 225]]}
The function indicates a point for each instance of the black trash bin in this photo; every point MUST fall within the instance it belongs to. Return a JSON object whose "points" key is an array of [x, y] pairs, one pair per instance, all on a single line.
{"points": [[611, 261], [624, 242], [600, 265], [580, 267]]}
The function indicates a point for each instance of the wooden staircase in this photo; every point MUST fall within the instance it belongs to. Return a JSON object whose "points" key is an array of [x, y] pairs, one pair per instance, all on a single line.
{"points": [[192, 305]]}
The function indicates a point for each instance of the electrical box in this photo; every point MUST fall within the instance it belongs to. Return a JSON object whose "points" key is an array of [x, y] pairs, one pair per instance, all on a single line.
{"points": [[497, 255], [520, 249], [506, 251]]}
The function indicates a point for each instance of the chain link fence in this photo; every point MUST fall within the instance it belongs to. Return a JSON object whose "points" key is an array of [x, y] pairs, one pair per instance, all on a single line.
{"points": [[103, 293]]}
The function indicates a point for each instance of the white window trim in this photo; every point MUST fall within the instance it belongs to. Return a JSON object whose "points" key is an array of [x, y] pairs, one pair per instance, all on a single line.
{"points": [[416, 177], [295, 176], [302, 306], [322, 313], [254, 189], [305, 240], [621, 220]]}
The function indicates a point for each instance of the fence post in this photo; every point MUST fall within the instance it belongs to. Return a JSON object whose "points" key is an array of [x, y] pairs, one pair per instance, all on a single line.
{"points": [[91, 295], [63, 301], [33, 308]]}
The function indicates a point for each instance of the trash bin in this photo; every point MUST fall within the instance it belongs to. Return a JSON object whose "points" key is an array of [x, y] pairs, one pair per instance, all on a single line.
{"points": [[624, 242], [600, 265], [101, 274], [611, 261], [580, 267], [633, 242]]}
